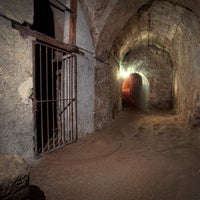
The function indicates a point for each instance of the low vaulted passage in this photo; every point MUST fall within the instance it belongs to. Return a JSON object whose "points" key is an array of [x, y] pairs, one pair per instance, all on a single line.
{"points": [[156, 67], [135, 91], [160, 42]]}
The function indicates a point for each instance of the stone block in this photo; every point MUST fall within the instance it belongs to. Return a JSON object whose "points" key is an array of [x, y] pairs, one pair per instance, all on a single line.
{"points": [[14, 178]]}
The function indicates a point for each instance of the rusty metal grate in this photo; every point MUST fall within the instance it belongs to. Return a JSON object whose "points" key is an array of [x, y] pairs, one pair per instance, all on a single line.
{"points": [[55, 95]]}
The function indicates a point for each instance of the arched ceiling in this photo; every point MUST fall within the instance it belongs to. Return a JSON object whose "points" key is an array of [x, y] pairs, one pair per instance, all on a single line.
{"points": [[119, 27], [131, 23]]}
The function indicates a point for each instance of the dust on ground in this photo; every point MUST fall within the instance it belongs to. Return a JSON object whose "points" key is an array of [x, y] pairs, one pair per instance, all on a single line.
{"points": [[139, 156]]}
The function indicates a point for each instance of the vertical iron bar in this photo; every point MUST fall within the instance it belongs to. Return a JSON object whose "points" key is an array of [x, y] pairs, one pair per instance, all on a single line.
{"points": [[72, 86], [63, 96], [53, 103], [65, 75], [57, 95], [70, 128], [47, 95], [62, 99], [58, 98], [75, 96], [67, 86], [41, 97]]}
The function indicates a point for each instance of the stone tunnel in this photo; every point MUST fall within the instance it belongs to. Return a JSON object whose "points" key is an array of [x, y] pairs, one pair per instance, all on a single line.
{"points": [[116, 80]]}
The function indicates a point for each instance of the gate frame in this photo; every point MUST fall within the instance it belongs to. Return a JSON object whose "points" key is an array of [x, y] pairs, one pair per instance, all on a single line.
{"points": [[73, 100]]}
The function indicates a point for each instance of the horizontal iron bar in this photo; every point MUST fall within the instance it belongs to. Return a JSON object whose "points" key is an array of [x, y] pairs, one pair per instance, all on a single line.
{"points": [[64, 52], [54, 100], [59, 146]]}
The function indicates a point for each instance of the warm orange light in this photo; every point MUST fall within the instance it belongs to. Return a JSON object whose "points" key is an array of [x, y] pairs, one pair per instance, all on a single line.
{"points": [[126, 89]]}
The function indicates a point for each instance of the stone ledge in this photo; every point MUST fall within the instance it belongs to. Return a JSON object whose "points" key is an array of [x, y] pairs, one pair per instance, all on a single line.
{"points": [[14, 178]]}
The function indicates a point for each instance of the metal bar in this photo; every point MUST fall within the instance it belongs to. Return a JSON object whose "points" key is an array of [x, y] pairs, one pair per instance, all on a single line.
{"points": [[53, 102], [66, 79], [41, 96], [66, 107], [62, 102], [70, 128], [67, 93], [63, 96], [65, 118], [72, 86], [47, 95], [57, 95], [60, 99], [75, 96], [52, 47]]}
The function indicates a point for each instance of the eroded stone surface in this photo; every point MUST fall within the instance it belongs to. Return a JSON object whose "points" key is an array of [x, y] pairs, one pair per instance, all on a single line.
{"points": [[16, 117], [14, 178]]}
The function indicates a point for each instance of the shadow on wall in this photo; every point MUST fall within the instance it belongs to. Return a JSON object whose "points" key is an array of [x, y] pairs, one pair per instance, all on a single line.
{"points": [[135, 91]]}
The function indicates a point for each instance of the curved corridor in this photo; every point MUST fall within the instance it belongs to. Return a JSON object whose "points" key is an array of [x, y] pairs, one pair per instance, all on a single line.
{"points": [[140, 156]]}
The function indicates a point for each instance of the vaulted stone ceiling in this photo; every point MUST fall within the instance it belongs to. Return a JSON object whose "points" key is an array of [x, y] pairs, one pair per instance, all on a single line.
{"points": [[107, 18]]}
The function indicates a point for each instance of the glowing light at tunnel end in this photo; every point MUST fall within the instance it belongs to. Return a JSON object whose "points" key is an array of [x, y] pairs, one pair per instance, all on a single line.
{"points": [[124, 74]]}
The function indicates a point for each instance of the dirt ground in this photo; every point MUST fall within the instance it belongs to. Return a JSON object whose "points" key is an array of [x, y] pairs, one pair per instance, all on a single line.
{"points": [[139, 156]]}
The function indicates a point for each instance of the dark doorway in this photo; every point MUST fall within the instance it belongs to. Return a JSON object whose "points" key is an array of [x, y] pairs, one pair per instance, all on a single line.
{"points": [[43, 20], [54, 86], [44, 78]]}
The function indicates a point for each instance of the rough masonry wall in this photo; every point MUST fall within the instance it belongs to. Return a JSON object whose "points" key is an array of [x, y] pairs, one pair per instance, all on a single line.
{"points": [[85, 77], [186, 51], [16, 117], [107, 92]]}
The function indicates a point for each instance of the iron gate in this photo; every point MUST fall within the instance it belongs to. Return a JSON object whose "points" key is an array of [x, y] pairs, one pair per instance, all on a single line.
{"points": [[55, 97]]}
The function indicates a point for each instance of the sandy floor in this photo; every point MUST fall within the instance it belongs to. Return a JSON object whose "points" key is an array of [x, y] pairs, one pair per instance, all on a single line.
{"points": [[140, 156]]}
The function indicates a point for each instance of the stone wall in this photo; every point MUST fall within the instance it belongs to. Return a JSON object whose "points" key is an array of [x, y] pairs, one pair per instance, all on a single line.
{"points": [[107, 89], [85, 77], [16, 117], [186, 50]]}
